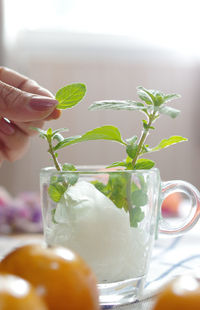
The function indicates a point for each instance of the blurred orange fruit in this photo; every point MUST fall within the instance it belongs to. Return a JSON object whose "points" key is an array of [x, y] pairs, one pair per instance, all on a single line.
{"points": [[59, 275], [17, 294], [170, 206], [181, 293]]}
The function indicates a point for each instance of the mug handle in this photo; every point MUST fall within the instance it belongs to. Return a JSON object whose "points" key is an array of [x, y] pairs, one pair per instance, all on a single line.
{"points": [[193, 195]]}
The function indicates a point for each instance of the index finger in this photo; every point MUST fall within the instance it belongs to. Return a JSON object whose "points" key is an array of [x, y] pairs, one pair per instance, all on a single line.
{"points": [[22, 82]]}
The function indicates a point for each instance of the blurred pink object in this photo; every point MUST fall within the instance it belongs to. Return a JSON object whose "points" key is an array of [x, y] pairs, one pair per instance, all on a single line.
{"points": [[21, 213]]}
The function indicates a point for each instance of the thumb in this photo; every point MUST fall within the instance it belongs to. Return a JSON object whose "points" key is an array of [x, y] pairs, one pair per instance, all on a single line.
{"points": [[20, 106]]}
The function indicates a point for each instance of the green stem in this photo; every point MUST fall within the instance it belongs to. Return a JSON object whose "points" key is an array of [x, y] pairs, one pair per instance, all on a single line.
{"points": [[51, 151], [143, 137], [128, 197]]}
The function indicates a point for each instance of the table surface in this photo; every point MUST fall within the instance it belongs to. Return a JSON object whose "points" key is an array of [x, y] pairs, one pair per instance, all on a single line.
{"points": [[171, 257]]}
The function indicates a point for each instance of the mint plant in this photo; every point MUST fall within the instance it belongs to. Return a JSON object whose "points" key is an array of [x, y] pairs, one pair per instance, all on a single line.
{"points": [[129, 196], [153, 106], [68, 97]]}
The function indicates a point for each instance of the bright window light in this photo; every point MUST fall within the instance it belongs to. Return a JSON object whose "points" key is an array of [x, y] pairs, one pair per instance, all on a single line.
{"points": [[172, 23]]}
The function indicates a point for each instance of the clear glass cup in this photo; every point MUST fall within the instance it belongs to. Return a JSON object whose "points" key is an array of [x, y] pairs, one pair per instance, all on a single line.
{"points": [[111, 219]]}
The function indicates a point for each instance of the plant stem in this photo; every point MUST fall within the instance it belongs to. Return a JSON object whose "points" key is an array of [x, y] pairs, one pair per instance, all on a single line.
{"points": [[128, 197], [57, 165], [143, 137]]}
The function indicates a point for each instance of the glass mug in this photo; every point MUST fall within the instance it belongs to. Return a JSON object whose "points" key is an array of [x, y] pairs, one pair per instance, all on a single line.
{"points": [[111, 219]]}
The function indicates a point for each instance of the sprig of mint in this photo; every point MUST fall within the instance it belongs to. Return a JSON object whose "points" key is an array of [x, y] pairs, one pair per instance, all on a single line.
{"points": [[125, 194], [153, 106], [67, 97]]}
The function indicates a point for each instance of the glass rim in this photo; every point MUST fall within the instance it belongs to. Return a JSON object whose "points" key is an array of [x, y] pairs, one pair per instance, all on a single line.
{"points": [[95, 169]]}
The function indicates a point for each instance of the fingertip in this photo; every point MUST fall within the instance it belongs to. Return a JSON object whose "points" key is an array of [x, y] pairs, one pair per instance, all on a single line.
{"points": [[54, 115]]}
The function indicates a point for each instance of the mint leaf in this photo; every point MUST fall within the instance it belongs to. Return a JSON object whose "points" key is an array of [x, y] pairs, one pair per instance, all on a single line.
{"points": [[132, 147], [42, 133], [144, 163], [70, 95], [167, 142], [136, 216], [59, 131], [58, 137], [72, 178], [149, 93], [101, 133], [145, 124], [171, 97], [68, 167], [131, 150], [117, 164], [117, 105], [115, 189], [144, 96], [131, 140], [139, 198], [55, 191], [173, 113], [49, 132], [155, 97], [158, 99]]}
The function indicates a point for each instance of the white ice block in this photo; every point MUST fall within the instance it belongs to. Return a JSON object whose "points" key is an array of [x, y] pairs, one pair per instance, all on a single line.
{"points": [[89, 223]]}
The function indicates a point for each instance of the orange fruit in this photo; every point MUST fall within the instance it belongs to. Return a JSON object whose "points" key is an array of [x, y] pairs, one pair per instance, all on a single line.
{"points": [[171, 204], [181, 293], [16, 293], [59, 275]]}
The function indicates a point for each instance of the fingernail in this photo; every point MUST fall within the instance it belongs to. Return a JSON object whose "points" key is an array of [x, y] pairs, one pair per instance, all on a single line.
{"points": [[38, 103], [6, 127]]}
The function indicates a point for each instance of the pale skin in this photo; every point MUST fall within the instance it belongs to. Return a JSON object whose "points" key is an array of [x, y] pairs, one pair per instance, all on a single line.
{"points": [[23, 104]]}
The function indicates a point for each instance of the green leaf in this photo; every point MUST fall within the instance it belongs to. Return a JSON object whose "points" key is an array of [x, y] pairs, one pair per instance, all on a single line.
{"points": [[173, 113], [49, 132], [68, 167], [66, 141], [139, 198], [145, 149], [145, 124], [117, 105], [58, 137], [59, 131], [131, 140], [70, 95], [132, 147], [100, 186], [43, 133], [115, 189], [127, 165], [56, 190], [167, 142], [131, 150], [156, 97], [101, 133], [149, 93], [171, 97], [159, 99], [144, 96], [72, 178], [144, 163], [136, 216], [117, 164], [128, 160]]}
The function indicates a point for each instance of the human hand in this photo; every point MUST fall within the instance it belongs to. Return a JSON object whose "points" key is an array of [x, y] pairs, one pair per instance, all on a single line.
{"points": [[23, 104]]}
